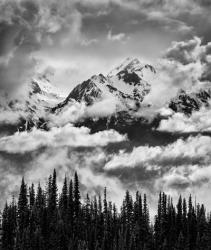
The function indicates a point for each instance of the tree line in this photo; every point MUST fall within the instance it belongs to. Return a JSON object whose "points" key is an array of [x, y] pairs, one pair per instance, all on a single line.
{"points": [[46, 220]]}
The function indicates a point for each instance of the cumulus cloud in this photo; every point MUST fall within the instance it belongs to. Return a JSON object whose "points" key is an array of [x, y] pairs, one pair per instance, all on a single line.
{"points": [[186, 52], [194, 149], [22, 142], [199, 121], [192, 51], [104, 108], [186, 176], [115, 37]]}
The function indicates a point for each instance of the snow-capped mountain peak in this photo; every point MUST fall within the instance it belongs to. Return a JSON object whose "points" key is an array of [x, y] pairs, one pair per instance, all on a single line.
{"points": [[125, 83]]}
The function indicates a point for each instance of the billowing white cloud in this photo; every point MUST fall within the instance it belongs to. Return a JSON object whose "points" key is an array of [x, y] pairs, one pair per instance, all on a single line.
{"points": [[186, 52], [189, 150], [74, 111], [199, 121], [22, 142], [70, 113]]}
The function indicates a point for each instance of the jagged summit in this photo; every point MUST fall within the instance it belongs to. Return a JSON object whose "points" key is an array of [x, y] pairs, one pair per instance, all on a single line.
{"points": [[131, 65]]}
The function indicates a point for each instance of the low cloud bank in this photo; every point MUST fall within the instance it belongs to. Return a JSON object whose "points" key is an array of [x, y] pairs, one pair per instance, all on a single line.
{"points": [[22, 142], [194, 149], [75, 111], [199, 121]]}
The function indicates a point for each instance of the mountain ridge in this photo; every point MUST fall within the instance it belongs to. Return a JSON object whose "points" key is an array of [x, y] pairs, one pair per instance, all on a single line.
{"points": [[125, 85]]}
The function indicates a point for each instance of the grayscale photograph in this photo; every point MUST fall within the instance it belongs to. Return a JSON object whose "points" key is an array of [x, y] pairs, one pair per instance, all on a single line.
{"points": [[105, 124]]}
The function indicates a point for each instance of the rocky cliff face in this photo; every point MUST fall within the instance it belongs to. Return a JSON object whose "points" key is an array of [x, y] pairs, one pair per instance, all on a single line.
{"points": [[188, 102]]}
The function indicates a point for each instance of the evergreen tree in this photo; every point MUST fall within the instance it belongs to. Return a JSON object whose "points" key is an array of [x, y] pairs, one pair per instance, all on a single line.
{"points": [[70, 212], [53, 198], [179, 218], [64, 199], [31, 196], [23, 215], [77, 196]]}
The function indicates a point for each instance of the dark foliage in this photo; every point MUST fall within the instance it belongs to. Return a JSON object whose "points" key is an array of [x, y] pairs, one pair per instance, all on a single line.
{"points": [[47, 220]]}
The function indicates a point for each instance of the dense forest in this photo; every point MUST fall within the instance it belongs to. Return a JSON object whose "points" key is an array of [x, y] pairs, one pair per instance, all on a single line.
{"points": [[44, 219]]}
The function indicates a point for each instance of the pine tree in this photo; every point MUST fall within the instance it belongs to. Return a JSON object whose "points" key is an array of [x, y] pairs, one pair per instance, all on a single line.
{"points": [[40, 199], [77, 211], [22, 201], [53, 198], [70, 212], [64, 199], [105, 221], [23, 212], [77, 196], [31, 196], [184, 218], [179, 218], [52, 212], [157, 226]]}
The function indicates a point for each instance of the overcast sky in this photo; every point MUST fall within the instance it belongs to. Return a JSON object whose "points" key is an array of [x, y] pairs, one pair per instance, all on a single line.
{"points": [[78, 38]]}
